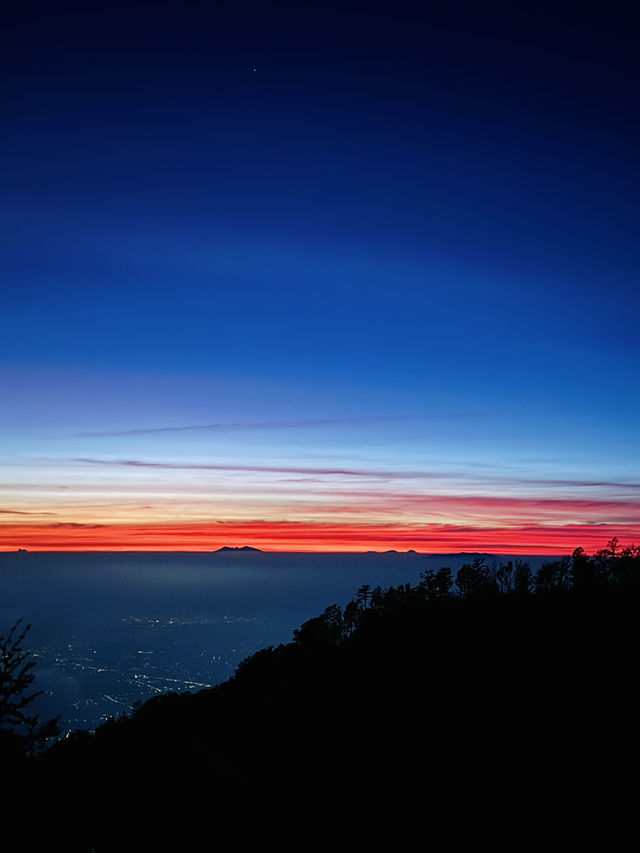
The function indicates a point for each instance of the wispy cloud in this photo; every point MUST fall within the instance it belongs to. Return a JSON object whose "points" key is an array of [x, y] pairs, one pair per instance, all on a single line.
{"points": [[234, 426], [469, 508], [24, 512], [362, 472], [267, 469]]}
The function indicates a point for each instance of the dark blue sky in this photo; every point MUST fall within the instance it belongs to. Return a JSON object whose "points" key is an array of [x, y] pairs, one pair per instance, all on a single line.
{"points": [[228, 213]]}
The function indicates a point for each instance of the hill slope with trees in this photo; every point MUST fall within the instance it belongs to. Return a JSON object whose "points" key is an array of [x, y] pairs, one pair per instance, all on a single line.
{"points": [[498, 704]]}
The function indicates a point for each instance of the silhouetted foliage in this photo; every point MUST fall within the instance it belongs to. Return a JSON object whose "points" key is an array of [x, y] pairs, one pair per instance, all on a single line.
{"points": [[21, 731], [327, 629], [554, 576], [499, 696], [476, 579], [437, 585], [514, 578], [362, 594]]}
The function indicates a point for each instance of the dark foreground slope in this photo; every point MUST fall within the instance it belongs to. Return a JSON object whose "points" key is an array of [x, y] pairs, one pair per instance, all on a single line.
{"points": [[497, 710]]}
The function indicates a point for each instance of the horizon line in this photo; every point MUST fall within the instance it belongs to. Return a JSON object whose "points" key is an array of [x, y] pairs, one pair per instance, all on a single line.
{"points": [[254, 550]]}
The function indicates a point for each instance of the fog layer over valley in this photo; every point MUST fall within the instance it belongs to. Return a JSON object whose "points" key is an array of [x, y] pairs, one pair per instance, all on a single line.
{"points": [[112, 629]]}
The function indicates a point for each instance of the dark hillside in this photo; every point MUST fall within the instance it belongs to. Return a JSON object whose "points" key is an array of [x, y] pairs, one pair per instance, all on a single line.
{"points": [[500, 704]]}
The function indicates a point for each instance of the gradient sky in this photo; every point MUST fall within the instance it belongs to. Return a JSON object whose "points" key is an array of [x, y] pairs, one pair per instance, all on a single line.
{"points": [[320, 276]]}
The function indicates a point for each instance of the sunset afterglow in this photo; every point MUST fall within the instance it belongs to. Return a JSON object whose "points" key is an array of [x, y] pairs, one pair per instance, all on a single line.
{"points": [[282, 503], [319, 279]]}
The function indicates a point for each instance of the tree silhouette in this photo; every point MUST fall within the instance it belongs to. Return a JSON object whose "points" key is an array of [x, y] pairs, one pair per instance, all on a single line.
{"points": [[16, 679], [437, 585], [326, 629], [476, 579], [523, 579], [514, 578], [554, 576], [585, 573], [363, 594], [351, 618]]}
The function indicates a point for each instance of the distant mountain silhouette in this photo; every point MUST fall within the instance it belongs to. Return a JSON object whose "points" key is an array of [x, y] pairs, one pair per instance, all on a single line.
{"points": [[237, 548], [394, 551]]}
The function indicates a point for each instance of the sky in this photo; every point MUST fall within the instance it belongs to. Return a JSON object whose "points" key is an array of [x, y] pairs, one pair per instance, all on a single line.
{"points": [[319, 276]]}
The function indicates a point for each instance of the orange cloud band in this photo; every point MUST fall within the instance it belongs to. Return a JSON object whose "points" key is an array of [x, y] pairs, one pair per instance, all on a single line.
{"points": [[314, 537]]}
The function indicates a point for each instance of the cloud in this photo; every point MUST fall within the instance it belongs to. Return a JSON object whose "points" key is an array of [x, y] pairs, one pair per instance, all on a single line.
{"points": [[363, 472], [23, 512], [523, 538], [483, 504], [267, 469], [307, 423]]}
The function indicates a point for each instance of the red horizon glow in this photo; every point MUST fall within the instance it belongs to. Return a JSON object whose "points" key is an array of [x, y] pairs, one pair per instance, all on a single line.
{"points": [[305, 537]]}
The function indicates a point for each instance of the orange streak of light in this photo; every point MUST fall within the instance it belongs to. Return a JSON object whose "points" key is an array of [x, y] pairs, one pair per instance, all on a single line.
{"points": [[315, 537]]}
